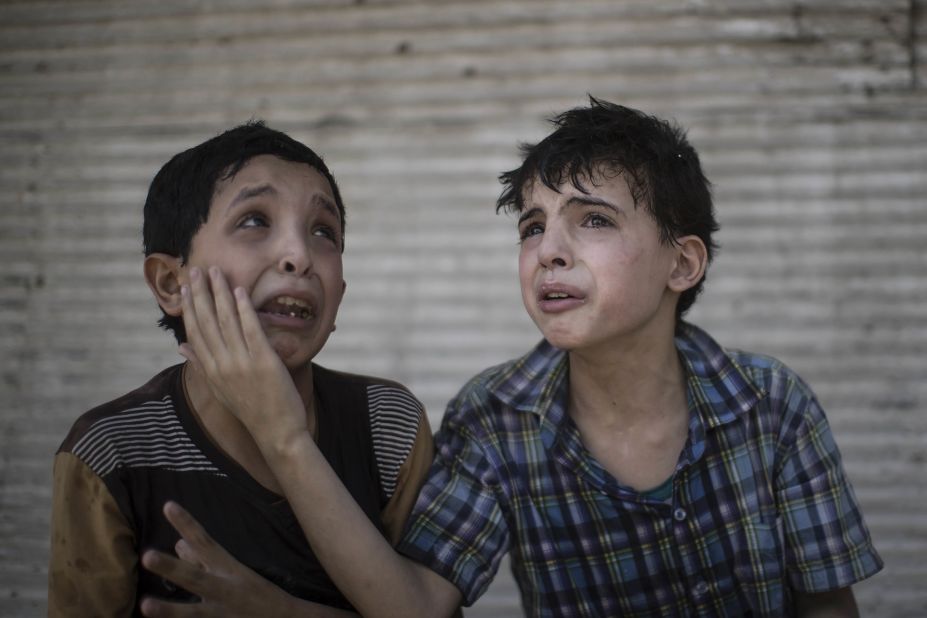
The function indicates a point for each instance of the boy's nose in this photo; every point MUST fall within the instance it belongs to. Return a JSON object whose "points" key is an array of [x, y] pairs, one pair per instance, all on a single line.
{"points": [[553, 250], [296, 258]]}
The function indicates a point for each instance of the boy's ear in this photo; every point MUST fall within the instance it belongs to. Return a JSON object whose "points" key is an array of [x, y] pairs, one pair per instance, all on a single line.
{"points": [[690, 264], [162, 274]]}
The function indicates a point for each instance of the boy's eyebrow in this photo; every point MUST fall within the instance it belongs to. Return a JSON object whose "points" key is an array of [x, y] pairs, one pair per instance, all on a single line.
{"points": [[321, 200], [248, 193], [528, 214], [251, 192], [576, 200], [591, 200]]}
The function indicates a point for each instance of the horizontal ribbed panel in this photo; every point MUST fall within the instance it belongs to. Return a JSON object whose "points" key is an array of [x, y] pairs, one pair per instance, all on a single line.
{"points": [[809, 117]]}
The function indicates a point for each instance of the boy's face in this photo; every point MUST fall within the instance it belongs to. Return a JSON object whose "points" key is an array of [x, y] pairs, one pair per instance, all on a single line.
{"points": [[274, 229], [592, 268]]}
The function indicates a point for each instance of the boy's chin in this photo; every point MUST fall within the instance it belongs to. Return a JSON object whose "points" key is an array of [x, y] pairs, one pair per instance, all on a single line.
{"points": [[294, 354], [564, 340]]}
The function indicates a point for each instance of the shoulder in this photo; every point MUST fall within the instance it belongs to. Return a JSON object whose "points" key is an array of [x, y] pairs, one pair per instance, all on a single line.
{"points": [[734, 367], [518, 380], [526, 384], [396, 417], [732, 383], [476, 405], [786, 394], [767, 371], [135, 429], [386, 398], [142, 405]]}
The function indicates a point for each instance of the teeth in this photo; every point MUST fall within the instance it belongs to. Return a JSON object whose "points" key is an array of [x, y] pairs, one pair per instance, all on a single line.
{"points": [[302, 313], [297, 307], [290, 301], [555, 295]]}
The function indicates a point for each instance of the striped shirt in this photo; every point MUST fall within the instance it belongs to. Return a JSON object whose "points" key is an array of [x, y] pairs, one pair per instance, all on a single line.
{"points": [[122, 460], [759, 503]]}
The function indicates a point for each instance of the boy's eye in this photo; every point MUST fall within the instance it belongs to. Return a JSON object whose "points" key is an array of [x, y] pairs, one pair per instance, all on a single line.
{"points": [[596, 220], [324, 231], [253, 220], [530, 229]]}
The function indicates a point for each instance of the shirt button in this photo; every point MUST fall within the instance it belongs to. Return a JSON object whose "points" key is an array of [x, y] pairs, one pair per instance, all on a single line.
{"points": [[679, 514], [700, 589]]}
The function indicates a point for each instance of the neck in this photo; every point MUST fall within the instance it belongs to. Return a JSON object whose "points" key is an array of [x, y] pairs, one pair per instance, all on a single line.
{"points": [[628, 383], [631, 412], [229, 434]]}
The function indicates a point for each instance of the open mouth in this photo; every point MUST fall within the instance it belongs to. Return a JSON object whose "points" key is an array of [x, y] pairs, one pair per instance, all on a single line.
{"points": [[288, 306], [556, 297]]}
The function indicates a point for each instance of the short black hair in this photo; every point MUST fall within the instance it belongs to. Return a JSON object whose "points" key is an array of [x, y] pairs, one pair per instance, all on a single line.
{"points": [[181, 192], [661, 168]]}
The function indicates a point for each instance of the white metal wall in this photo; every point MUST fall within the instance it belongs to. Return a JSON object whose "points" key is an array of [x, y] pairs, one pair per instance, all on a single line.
{"points": [[810, 117]]}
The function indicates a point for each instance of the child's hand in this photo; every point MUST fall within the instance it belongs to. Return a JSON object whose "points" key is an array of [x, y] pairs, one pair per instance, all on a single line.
{"points": [[225, 586], [226, 342]]}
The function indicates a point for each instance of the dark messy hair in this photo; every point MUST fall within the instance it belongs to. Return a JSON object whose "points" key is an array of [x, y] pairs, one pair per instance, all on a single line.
{"points": [[181, 192], [661, 168]]}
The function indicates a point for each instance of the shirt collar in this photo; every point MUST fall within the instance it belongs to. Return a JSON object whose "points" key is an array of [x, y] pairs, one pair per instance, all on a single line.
{"points": [[534, 381], [717, 388]]}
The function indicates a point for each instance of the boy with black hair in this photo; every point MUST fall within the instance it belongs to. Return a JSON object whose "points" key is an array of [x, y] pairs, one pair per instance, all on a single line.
{"points": [[631, 465], [264, 211]]}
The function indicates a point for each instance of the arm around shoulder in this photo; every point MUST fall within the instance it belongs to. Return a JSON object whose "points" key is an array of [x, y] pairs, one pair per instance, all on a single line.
{"points": [[371, 574], [93, 569]]}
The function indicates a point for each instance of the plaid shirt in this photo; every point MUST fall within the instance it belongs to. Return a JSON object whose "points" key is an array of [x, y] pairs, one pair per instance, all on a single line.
{"points": [[760, 504]]}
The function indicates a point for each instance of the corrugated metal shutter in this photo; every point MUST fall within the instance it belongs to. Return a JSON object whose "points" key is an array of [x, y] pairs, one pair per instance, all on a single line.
{"points": [[810, 117]]}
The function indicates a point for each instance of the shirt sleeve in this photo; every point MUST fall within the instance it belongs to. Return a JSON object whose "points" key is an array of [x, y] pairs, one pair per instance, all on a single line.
{"points": [[456, 528], [827, 543], [412, 474], [93, 568]]}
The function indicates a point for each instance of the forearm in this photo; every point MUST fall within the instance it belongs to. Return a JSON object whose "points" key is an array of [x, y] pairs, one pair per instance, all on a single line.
{"points": [[377, 580], [249, 378]]}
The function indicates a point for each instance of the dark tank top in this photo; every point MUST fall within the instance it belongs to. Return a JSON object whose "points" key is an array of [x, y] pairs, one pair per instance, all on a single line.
{"points": [[254, 524]]}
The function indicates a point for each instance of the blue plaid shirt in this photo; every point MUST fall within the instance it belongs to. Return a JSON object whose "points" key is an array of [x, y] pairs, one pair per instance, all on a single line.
{"points": [[760, 504]]}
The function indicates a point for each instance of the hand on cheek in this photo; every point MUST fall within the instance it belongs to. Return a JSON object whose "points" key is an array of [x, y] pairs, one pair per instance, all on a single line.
{"points": [[226, 341]]}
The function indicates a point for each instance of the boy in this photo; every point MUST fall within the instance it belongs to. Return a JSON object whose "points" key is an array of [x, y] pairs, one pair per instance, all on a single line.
{"points": [[264, 210], [631, 465]]}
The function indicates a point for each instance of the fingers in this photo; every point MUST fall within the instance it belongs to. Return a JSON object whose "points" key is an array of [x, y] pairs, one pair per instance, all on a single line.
{"points": [[213, 325], [250, 325], [190, 529], [186, 553], [191, 320], [189, 572], [224, 586], [196, 545], [227, 313], [188, 576], [202, 313], [156, 608], [251, 329], [162, 608]]}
